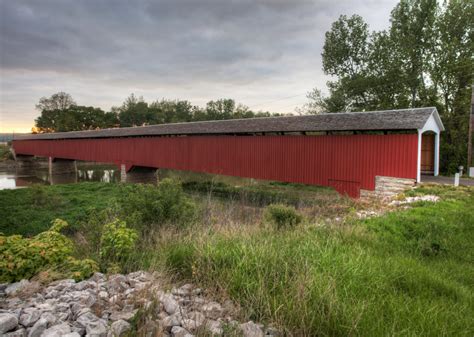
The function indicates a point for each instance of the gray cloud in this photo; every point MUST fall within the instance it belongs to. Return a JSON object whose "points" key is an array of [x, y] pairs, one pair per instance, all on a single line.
{"points": [[99, 51]]}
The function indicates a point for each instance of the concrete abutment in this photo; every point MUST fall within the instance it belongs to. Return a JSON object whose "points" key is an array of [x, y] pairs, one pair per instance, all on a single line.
{"points": [[138, 174]]}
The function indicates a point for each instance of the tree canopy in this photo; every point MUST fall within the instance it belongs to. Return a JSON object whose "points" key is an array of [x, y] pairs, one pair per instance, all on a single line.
{"points": [[57, 116]]}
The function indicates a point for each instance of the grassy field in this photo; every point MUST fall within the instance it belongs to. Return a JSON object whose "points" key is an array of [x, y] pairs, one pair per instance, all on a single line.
{"points": [[409, 272], [29, 211]]}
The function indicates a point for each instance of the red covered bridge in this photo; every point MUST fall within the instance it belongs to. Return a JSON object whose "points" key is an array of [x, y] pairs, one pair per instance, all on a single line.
{"points": [[345, 150]]}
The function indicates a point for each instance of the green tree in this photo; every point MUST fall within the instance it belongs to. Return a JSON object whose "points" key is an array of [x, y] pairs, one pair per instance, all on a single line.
{"points": [[413, 33], [452, 76], [59, 101], [75, 118], [134, 112], [345, 55]]}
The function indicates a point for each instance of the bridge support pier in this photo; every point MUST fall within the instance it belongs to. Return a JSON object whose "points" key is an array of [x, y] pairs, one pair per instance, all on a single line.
{"points": [[138, 174], [62, 170], [61, 166], [24, 161]]}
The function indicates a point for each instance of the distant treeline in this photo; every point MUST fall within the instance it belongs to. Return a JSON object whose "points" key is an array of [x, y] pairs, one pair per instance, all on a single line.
{"points": [[60, 113]]}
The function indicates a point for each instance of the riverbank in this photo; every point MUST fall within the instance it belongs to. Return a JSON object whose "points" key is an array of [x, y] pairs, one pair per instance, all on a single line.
{"points": [[332, 273]]}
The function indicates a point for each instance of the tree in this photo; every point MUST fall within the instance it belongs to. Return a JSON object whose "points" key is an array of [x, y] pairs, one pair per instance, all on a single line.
{"points": [[59, 101], [75, 118], [452, 76], [134, 112], [412, 32]]}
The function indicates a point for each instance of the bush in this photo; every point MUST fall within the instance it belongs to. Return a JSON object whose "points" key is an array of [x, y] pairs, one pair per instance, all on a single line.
{"points": [[22, 258], [146, 206], [41, 197], [5, 153], [259, 195], [117, 243], [282, 216]]}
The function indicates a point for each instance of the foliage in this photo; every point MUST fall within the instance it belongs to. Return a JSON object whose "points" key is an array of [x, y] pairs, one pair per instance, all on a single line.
{"points": [[25, 257], [135, 111], [60, 113], [423, 59], [323, 281], [41, 197], [117, 242], [147, 207], [75, 118], [58, 101], [282, 216], [5, 153]]}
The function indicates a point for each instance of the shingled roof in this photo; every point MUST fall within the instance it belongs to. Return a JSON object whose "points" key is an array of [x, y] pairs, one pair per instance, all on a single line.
{"points": [[405, 119]]}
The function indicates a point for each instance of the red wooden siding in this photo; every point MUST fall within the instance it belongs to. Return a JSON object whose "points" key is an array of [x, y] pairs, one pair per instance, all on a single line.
{"points": [[345, 162]]}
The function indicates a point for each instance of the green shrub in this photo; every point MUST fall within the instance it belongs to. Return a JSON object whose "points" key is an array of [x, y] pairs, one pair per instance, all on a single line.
{"points": [[146, 207], [282, 216], [117, 243], [41, 197], [5, 153], [22, 258]]}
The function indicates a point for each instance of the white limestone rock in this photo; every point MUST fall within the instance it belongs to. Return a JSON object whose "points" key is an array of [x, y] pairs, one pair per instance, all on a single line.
{"points": [[8, 322]]}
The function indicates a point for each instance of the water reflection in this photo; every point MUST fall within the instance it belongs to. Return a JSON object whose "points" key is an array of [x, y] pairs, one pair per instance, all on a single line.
{"points": [[11, 178]]}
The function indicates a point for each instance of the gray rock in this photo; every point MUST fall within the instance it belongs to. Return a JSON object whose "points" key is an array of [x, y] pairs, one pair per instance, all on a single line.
{"points": [[169, 303], [63, 284], [212, 310], [44, 306], [84, 285], [123, 315], [87, 299], [183, 291], [13, 288], [214, 327], [50, 318], [194, 321], [29, 317], [250, 329], [58, 330], [78, 328], [96, 329], [119, 328], [86, 318], [72, 334], [8, 322], [178, 331], [117, 284], [38, 328], [103, 295], [98, 277], [76, 308], [17, 333], [169, 322]]}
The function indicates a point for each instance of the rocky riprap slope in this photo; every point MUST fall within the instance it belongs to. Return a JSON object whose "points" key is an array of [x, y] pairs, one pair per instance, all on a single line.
{"points": [[105, 306]]}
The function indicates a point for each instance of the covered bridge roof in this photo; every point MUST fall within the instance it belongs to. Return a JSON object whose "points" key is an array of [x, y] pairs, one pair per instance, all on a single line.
{"points": [[404, 119]]}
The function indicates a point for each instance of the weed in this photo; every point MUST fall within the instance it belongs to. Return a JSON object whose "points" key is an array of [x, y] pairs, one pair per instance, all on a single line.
{"points": [[282, 216]]}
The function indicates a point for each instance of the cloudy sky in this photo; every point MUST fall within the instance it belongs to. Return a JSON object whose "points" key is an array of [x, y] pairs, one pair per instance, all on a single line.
{"points": [[264, 54]]}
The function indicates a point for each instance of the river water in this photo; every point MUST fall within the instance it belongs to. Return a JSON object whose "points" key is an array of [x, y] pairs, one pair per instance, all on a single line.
{"points": [[11, 177]]}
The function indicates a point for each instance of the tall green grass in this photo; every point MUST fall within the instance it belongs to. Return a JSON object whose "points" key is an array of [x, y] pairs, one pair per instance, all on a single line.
{"points": [[373, 278]]}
